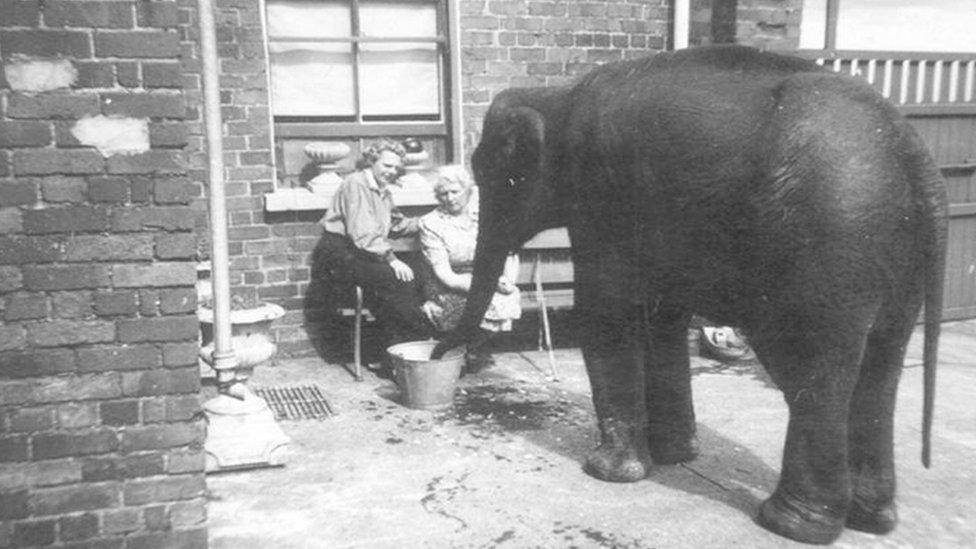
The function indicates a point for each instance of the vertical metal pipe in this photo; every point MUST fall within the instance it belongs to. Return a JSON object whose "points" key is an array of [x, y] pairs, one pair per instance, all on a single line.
{"points": [[682, 23], [224, 360]]}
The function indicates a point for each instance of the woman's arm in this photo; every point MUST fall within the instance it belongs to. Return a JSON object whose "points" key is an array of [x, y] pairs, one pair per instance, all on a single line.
{"points": [[435, 252]]}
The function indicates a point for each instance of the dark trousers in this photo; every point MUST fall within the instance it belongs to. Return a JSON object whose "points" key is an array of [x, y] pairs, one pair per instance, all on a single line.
{"points": [[394, 303]]}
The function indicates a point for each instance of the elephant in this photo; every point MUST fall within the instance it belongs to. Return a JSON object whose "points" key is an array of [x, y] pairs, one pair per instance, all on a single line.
{"points": [[758, 190]]}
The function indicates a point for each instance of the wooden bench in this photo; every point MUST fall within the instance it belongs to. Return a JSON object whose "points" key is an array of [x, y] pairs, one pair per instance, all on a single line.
{"points": [[545, 279]]}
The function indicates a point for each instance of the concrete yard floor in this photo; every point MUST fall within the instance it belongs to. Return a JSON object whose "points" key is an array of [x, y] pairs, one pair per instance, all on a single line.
{"points": [[504, 467]]}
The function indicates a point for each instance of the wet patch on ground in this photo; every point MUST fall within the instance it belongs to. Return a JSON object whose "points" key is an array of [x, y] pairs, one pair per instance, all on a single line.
{"points": [[514, 407], [572, 534]]}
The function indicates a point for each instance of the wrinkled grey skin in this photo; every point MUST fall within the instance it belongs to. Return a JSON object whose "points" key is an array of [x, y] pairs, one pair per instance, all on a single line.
{"points": [[756, 190]]}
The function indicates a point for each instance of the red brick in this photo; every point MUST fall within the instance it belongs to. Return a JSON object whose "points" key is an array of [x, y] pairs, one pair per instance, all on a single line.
{"points": [[56, 105], [77, 388], [66, 219], [162, 161], [13, 504], [167, 134], [31, 420], [115, 303], [69, 305], [10, 277], [162, 75], [45, 43], [176, 246], [155, 437], [66, 277], [10, 222], [15, 392], [68, 499], [112, 247], [178, 301], [184, 539], [128, 74], [140, 189], [180, 354], [156, 518], [157, 14], [188, 513], [173, 190], [180, 487], [103, 14], [18, 192], [118, 468], [20, 13], [161, 382], [70, 332], [158, 274], [79, 527], [118, 358], [13, 448], [75, 415], [119, 412], [12, 337], [25, 306], [168, 218], [63, 189], [57, 161], [108, 189], [137, 44], [36, 362], [149, 302], [34, 533], [121, 521], [144, 105], [97, 74], [23, 133], [56, 445], [170, 328]]}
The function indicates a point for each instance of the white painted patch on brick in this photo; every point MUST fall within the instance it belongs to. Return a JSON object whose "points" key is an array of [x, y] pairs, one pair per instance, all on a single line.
{"points": [[39, 75], [113, 135]]}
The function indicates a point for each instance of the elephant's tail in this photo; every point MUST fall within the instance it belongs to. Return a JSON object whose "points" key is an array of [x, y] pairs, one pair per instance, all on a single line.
{"points": [[935, 237]]}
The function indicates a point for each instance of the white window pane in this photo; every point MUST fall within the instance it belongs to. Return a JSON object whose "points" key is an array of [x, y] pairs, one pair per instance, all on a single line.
{"points": [[307, 19], [907, 25], [410, 19], [310, 79], [813, 25], [399, 79]]}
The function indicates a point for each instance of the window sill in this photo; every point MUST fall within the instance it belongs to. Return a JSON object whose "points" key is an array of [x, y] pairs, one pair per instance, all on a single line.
{"points": [[302, 199]]}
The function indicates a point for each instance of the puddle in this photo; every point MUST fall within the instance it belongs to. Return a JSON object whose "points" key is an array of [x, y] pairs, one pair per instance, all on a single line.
{"points": [[513, 407]]}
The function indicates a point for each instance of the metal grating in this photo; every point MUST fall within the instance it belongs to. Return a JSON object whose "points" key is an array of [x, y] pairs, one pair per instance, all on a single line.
{"points": [[297, 402]]}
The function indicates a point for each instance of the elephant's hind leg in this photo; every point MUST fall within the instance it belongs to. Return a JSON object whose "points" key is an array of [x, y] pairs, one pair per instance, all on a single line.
{"points": [[816, 368], [872, 423], [670, 410]]}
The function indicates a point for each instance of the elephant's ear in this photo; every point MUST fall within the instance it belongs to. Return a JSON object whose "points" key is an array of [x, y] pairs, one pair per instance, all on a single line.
{"points": [[522, 136]]}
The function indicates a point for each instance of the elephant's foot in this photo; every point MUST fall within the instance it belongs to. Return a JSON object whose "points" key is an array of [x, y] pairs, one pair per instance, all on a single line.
{"points": [[788, 517], [615, 464], [872, 519], [674, 450]]}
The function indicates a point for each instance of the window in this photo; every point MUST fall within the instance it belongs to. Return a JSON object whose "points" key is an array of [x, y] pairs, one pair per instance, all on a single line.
{"points": [[357, 70], [889, 25]]}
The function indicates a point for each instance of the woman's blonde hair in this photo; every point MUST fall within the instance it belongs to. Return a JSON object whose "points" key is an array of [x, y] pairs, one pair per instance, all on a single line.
{"points": [[453, 173], [372, 153]]}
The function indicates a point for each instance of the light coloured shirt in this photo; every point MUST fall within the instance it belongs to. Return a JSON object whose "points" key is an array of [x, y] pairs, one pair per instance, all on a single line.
{"points": [[366, 214]]}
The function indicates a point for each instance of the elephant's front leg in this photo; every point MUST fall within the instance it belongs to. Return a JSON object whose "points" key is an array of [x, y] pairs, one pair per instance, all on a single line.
{"points": [[613, 349], [670, 411]]}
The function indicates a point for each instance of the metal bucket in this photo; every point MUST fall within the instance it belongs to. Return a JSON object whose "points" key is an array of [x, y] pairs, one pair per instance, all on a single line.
{"points": [[425, 384]]}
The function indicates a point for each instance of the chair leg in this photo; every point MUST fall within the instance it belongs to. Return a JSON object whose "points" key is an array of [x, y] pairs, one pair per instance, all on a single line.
{"points": [[357, 335], [541, 298]]}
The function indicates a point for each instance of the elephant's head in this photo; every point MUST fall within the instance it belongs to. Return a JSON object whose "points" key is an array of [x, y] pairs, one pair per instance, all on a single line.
{"points": [[514, 166]]}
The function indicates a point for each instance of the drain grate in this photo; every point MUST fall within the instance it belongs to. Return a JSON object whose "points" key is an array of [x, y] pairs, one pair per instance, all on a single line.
{"points": [[297, 402]]}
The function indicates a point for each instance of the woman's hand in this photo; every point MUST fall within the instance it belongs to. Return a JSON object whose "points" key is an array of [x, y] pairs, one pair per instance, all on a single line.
{"points": [[505, 286], [402, 271]]}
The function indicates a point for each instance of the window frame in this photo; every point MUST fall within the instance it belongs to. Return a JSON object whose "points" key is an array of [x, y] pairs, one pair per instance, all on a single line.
{"points": [[448, 127]]}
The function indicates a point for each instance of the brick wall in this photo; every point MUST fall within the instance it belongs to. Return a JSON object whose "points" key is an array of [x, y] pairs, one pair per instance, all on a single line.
{"points": [[100, 444], [769, 24], [503, 44]]}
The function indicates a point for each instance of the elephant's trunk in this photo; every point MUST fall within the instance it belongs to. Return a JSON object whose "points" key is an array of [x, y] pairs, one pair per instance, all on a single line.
{"points": [[489, 261]]}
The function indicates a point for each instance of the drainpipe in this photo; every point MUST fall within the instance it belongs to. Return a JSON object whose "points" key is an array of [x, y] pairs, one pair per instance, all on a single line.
{"points": [[681, 27], [224, 361], [241, 429]]}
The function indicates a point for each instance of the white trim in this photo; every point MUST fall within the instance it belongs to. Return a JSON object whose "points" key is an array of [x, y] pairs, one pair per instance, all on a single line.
{"points": [[456, 131], [682, 23]]}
